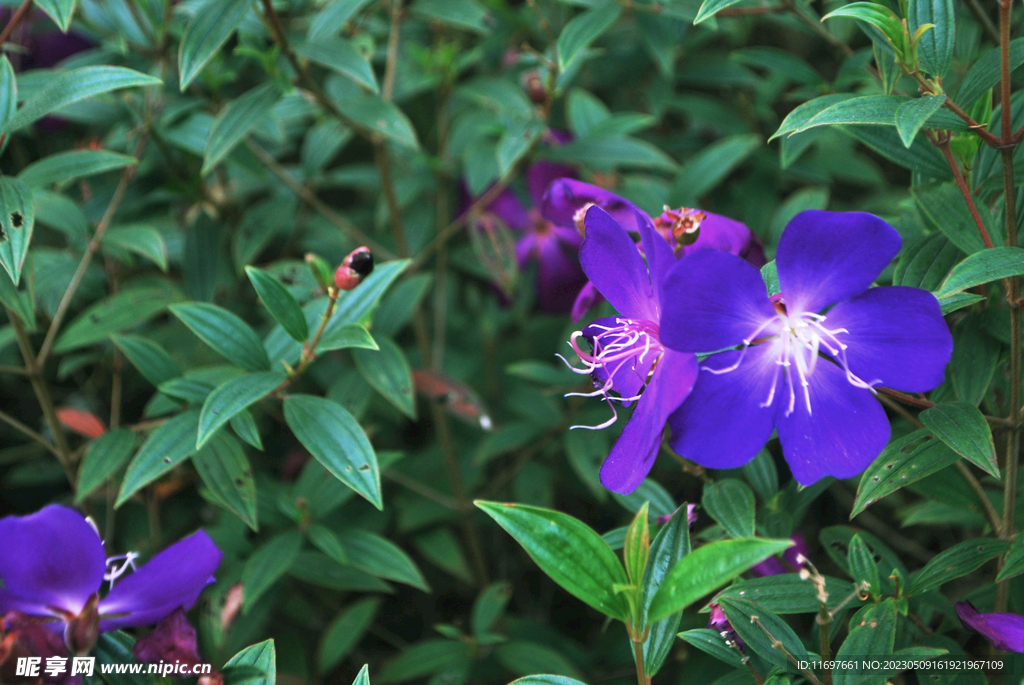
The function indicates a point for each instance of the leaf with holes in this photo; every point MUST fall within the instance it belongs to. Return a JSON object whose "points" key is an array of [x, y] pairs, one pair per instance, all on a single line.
{"points": [[105, 455], [337, 441], [963, 427], [905, 461], [17, 219], [226, 472], [957, 561], [168, 445]]}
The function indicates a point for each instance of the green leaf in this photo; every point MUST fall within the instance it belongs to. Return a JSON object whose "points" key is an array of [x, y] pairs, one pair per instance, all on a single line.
{"points": [[280, 302], [223, 468], [925, 262], [463, 14], [337, 441], [803, 113], [20, 302], [105, 455], [984, 73], [371, 112], [64, 167], [877, 110], [344, 633], [167, 446], [195, 385], [983, 267], [344, 337], [325, 540], [526, 658], [905, 461], [380, 557], [244, 426], [711, 642], [872, 632], [861, 560], [788, 593], [935, 47], [17, 219], [706, 569], [363, 677], [425, 658], [516, 141], [227, 334], [731, 503], [944, 209], [8, 92], [959, 560], [742, 614], [142, 240], [489, 607], [322, 571], [879, 16], [912, 114], [68, 87], [267, 564], [637, 546], [232, 397], [649, 490], [206, 33], [340, 55], [333, 17], [115, 647], [964, 429], [584, 29], [387, 371], [670, 545], [130, 307], [921, 156], [263, 656], [234, 122], [709, 7], [1014, 562], [60, 11], [572, 554], [711, 166]]}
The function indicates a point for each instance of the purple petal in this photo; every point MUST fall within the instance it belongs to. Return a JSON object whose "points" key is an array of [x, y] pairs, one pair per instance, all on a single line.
{"points": [[769, 567], [842, 435], [896, 336], [660, 258], [52, 558], [828, 257], [612, 262], [1004, 631], [172, 579], [714, 300], [633, 455], [728, 235], [543, 174], [587, 298], [559, 276], [722, 424], [567, 196], [510, 210], [799, 549]]}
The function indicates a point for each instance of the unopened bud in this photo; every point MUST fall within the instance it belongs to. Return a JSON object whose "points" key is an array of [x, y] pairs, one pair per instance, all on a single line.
{"points": [[357, 266], [320, 268], [82, 632], [681, 227]]}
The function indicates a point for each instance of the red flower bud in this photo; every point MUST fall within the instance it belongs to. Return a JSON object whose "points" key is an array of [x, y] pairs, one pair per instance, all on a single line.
{"points": [[357, 266]]}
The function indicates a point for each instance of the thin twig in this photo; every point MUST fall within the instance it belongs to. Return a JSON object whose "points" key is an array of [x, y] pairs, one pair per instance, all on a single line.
{"points": [[421, 489], [16, 18], [986, 21], [90, 251], [19, 426]]}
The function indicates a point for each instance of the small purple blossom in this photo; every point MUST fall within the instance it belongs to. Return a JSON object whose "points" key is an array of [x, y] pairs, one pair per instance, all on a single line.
{"points": [[627, 357], [54, 566], [793, 559], [1004, 631], [718, 621], [793, 363], [173, 639], [691, 516]]}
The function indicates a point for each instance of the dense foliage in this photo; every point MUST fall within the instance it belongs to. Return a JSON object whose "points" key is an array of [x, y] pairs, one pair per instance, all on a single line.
{"points": [[192, 339]]}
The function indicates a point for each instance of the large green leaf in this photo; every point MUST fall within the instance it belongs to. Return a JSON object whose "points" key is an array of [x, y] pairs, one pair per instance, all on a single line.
{"points": [[743, 613], [584, 29], [905, 461], [141, 239], [731, 503], [944, 208], [706, 569], [935, 47], [224, 469], [875, 110], [670, 545], [984, 73], [267, 564], [209, 29], [234, 122], [963, 427], [983, 267], [380, 557], [280, 302], [128, 308], [168, 445], [17, 219], [68, 87], [913, 114], [958, 560], [387, 371], [231, 337], [372, 112], [788, 593], [105, 455], [64, 167], [233, 397], [567, 550], [337, 441]]}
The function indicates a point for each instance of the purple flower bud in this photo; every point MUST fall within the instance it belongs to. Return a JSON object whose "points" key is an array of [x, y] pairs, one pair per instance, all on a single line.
{"points": [[795, 559], [173, 639], [1004, 631]]}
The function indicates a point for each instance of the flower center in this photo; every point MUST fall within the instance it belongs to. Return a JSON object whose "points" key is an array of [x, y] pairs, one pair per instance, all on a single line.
{"points": [[801, 340], [632, 345]]}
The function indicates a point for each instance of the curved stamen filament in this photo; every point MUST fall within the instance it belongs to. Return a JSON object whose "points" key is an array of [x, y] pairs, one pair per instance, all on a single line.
{"points": [[116, 571]]}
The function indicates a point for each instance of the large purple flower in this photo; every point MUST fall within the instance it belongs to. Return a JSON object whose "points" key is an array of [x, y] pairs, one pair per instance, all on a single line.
{"points": [[793, 363], [627, 357], [53, 566], [1004, 631]]}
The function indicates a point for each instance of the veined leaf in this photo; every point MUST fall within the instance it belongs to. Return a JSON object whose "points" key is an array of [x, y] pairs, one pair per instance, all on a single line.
{"points": [[209, 29], [234, 122], [231, 337], [233, 397]]}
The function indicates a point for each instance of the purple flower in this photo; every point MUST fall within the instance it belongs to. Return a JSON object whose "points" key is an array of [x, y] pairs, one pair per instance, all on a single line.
{"points": [[718, 621], [627, 357], [691, 230], [53, 566], [793, 559], [800, 367], [1004, 631]]}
